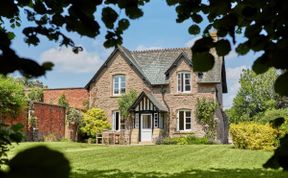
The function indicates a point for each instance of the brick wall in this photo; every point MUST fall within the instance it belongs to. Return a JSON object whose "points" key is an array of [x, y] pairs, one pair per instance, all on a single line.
{"points": [[50, 120], [76, 97], [21, 118]]}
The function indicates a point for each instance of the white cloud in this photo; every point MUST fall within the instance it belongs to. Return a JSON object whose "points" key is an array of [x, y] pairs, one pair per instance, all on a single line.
{"points": [[190, 43], [234, 73], [142, 47], [67, 61], [233, 76], [232, 55]]}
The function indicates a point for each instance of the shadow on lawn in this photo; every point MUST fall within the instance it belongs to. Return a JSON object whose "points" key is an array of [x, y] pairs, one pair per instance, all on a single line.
{"points": [[193, 173]]}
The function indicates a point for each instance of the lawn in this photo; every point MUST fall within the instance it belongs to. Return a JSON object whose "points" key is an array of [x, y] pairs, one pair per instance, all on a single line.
{"points": [[205, 161]]}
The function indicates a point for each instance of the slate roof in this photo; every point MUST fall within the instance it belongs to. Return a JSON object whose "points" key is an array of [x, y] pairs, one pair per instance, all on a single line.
{"points": [[153, 64]]}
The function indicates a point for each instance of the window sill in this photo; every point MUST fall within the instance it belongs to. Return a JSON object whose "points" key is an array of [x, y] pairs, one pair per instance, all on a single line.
{"points": [[183, 94], [184, 132], [115, 96]]}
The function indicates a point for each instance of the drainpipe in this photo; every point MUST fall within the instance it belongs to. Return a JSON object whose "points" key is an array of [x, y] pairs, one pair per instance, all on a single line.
{"points": [[163, 91]]}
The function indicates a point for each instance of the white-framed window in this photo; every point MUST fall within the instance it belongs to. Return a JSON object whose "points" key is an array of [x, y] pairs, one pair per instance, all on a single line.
{"points": [[161, 120], [184, 120], [117, 122], [119, 84], [183, 82]]}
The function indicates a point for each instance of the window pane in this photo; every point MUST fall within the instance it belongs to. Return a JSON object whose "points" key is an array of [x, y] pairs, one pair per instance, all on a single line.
{"points": [[123, 84], [136, 120], [146, 121], [181, 120], [116, 121], [116, 84], [188, 120], [122, 124], [188, 126], [187, 87], [188, 113], [156, 120], [179, 82], [187, 82]]}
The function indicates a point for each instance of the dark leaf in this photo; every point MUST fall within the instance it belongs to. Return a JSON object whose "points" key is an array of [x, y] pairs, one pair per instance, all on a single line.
{"points": [[276, 123], [194, 29], [202, 45], [109, 16], [281, 84], [172, 2], [47, 66], [202, 62], [222, 47], [260, 65], [123, 24], [242, 49], [197, 18]]}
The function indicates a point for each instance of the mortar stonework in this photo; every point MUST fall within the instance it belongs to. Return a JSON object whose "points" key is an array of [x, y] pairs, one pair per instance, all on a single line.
{"points": [[101, 91]]}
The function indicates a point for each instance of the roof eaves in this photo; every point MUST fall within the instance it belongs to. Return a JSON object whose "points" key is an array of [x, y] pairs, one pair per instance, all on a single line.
{"points": [[101, 68], [175, 63], [133, 62]]}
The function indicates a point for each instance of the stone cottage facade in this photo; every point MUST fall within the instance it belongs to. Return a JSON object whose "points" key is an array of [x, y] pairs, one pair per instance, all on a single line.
{"points": [[168, 89]]}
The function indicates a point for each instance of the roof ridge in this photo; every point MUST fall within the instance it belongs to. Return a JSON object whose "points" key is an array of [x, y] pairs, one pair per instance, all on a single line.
{"points": [[158, 50]]}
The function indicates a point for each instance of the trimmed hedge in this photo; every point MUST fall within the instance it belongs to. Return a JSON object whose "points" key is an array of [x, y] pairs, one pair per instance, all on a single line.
{"points": [[254, 136], [188, 140]]}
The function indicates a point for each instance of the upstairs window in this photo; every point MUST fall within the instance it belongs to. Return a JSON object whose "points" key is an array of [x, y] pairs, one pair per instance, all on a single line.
{"points": [[184, 82], [119, 84]]}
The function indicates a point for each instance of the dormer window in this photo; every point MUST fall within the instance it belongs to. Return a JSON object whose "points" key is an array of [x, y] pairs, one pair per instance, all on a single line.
{"points": [[183, 82], [119, 85]]}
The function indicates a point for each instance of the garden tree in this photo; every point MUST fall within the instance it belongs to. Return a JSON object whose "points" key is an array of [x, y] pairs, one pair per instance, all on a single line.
{"points": [[255, 96], [94, 121], [12, 97], [205, 110], [62, 101], [33, 89], [12, 101], [262, 23], [125, 102], [74, 116]]}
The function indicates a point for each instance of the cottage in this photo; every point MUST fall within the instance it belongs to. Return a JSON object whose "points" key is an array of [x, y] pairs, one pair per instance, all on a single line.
{"points": [[168, 90]]}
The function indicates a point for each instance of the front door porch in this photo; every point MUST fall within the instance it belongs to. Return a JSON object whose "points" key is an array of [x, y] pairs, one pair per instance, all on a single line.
{"points": [[146, 128], [148, 120]]}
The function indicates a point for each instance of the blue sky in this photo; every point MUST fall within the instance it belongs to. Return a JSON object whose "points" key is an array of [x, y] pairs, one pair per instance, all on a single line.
{"points": [[156, 29]]}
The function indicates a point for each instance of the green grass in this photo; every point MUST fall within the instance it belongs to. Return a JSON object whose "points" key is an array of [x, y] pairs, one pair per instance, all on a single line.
{"points": [[205, 161]]}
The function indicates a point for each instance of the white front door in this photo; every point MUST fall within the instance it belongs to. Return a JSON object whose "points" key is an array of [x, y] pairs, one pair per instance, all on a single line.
{"points": [[146, 127]]}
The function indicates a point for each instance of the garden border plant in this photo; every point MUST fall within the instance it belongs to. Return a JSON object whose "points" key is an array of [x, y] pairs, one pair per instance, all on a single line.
{"points": [[205, 110]]}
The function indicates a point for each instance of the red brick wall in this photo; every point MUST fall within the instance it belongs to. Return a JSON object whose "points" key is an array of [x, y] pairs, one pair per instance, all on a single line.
{"points": [[21, 118], [76, 96], [50, 119]]}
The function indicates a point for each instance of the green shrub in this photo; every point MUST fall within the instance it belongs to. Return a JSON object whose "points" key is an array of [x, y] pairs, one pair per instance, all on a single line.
{"points": [[205, 109], [50, 138], [94, 121], [189, 140], [254, 136], [271, 114]]}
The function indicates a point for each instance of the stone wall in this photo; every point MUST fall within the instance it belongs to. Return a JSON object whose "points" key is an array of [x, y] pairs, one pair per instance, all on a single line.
{"points": [[100, 92]]}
